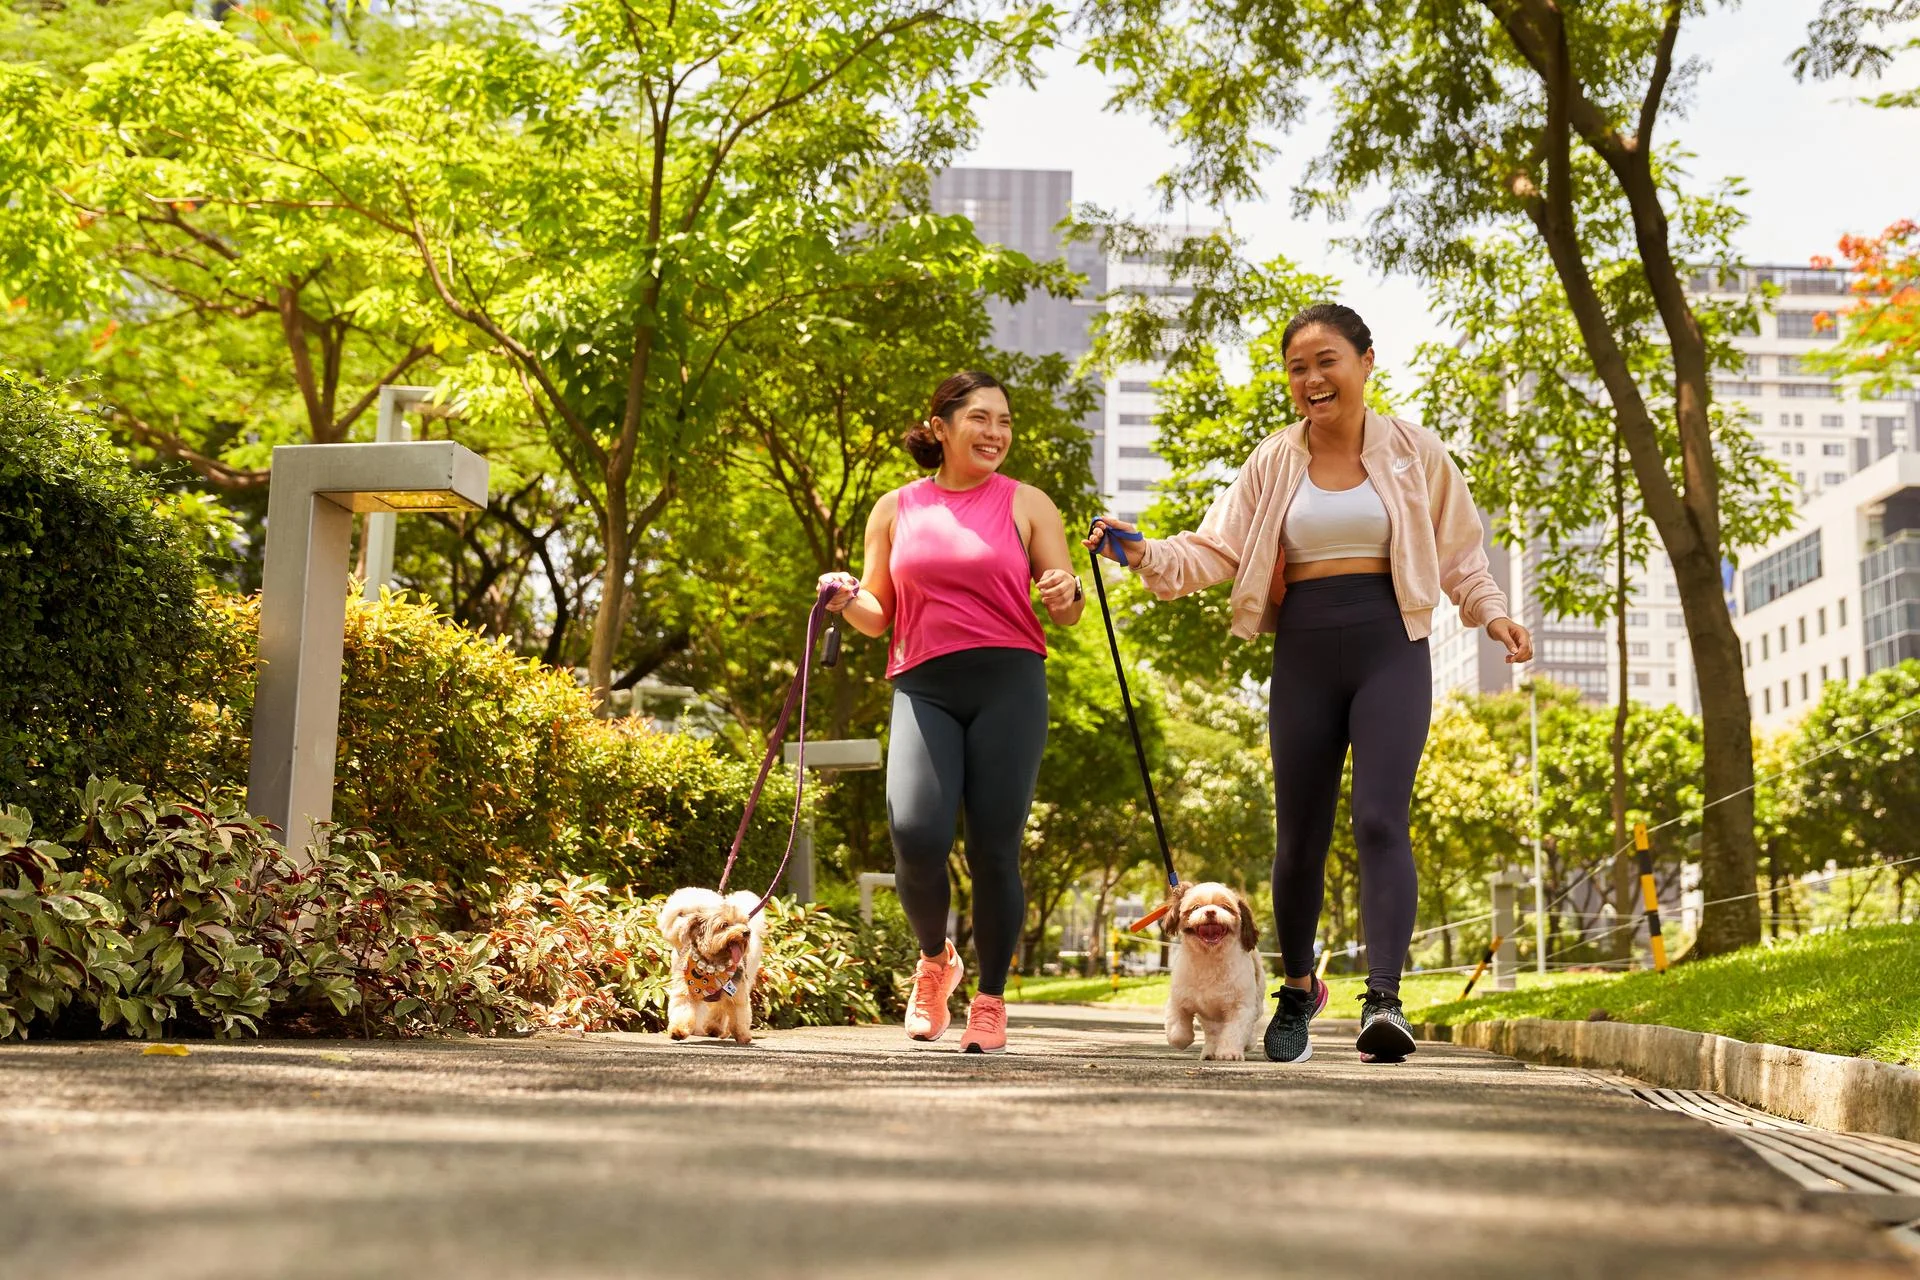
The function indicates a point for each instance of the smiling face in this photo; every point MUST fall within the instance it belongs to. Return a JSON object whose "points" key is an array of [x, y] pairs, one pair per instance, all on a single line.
{"points": [[1212, 915], [719, 936], [975, 436], [1327, 376]]}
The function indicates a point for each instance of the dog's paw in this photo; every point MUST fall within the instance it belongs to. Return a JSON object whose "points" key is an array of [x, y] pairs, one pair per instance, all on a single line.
{"points": [[1224, 1054]]}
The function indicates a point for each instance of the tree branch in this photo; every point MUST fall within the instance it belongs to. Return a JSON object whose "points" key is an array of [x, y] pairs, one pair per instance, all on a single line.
{"points": [[1657, 86], [215, 472]]}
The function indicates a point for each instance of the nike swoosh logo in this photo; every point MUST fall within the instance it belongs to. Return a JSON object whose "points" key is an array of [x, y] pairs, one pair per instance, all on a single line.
{"points": [[1401, 464]]}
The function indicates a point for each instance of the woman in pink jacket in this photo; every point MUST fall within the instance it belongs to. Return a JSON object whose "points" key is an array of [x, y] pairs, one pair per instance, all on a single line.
{"points": [[1339, 534]]}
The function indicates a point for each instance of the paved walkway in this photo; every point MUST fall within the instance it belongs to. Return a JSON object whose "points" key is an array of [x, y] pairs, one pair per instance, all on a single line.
{"points": [[1091, 1151]]}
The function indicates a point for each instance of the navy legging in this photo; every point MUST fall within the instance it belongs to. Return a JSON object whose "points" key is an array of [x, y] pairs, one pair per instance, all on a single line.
{"points": [[1345, 674], [968, 731]]}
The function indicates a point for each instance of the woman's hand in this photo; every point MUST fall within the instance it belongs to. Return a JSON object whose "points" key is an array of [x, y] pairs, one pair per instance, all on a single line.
{"points": [[1097, 540], [1514, 636], [1058, 590], [844, 586]]}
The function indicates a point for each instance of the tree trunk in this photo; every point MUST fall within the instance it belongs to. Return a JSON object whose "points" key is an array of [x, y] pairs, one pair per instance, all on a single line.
{"points": [[1729, 858], [1687, 519], [613, 597]]}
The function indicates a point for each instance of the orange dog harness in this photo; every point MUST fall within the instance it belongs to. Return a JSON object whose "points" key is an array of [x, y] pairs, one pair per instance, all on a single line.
{"points": [[711, 984]]}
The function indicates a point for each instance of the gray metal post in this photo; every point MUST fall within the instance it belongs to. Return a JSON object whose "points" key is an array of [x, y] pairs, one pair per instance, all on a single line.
{"points": [[869, 881], [1504, 886], [303, 600], [395, 400], [1539, 861], [303, 618], [824, 757]]}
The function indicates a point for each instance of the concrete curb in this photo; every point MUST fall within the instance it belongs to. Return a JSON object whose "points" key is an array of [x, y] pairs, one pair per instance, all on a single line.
{"points": [[1847, 1095]]}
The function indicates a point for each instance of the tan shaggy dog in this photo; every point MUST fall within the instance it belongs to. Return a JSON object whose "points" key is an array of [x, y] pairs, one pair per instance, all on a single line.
{"points": [[715, 941], [1217, 974]]}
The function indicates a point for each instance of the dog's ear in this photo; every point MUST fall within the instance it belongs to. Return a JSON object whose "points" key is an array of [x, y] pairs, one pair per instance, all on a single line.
{"points": [[1249, 931], [1170, 920], [675, 919]]}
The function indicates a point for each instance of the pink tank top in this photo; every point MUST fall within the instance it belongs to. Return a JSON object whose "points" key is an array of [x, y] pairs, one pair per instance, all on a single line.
{"points": [[961, 579]]}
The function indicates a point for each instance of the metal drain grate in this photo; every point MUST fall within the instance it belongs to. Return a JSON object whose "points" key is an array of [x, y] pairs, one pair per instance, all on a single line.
{"points": [[1861, 1172]]}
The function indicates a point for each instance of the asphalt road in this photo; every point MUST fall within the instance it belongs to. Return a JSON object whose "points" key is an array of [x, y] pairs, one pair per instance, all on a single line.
{"points": [[1091, 1150]]}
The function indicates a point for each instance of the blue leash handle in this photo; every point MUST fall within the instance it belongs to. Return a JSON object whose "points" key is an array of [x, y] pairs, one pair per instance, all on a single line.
{"points": [[1115, 549]]}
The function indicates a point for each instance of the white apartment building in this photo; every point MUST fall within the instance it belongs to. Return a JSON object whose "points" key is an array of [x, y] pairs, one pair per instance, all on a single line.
{"points": [[1807, 421], [1823, 437], [1129, 465], [1838, 596]]}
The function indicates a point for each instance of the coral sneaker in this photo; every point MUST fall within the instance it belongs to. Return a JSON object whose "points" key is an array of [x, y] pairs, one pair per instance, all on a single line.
{"points": [[986, 1026], [933, 984]]}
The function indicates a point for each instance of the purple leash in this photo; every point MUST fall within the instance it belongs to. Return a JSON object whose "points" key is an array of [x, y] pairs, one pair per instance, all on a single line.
{"points": [[796, 696]]}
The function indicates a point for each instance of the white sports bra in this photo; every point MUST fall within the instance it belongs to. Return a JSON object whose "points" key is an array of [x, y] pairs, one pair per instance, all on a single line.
{"points": [[1335, 524]]}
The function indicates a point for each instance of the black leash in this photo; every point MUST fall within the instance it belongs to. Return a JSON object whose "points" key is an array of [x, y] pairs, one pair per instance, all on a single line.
{"points": [[1114, 539]]}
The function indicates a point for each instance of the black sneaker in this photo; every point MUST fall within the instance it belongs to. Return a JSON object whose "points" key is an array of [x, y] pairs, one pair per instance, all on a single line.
{"points": [[1384, 1033], [1287, 1039]]}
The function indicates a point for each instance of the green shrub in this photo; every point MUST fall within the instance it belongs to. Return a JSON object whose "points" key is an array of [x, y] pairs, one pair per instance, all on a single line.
{"points": [[191, 919], [97, 582], [476, 769]]}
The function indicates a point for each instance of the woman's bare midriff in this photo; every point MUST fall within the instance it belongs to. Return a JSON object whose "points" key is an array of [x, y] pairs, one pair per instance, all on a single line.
{"points": [[1334, 568]]}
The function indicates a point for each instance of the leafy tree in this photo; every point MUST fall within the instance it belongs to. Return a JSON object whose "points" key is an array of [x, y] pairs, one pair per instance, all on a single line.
{"points": [[148, 232], [618, 211], [1844, 39], [1855, 804], [1465, 116]]}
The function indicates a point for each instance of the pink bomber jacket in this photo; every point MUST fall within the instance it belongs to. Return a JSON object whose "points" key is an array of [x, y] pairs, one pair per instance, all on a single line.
{"points": [[1434, 541]]}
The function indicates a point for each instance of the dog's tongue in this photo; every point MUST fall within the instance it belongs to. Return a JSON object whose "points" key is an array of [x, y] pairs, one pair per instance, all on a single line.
{"points": [[1211, 931], [734, 951]]}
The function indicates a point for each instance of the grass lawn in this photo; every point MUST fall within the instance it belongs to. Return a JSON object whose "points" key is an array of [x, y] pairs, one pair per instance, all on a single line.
{"points": [[1416, 990], [1854, 992]]}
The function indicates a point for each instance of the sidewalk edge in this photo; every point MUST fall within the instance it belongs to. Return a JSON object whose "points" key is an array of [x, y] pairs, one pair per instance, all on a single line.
{"points": [[1847, 1095]]}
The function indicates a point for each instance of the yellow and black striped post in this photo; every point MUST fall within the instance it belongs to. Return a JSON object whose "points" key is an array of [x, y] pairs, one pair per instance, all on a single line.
{"points": [[1651, 896], [1486, 958]]}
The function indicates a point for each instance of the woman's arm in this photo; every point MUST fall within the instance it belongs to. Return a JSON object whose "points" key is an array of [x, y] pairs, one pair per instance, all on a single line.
{"points": [[867, 602], [1193, 561], [1464, 573], [1060, 589]]}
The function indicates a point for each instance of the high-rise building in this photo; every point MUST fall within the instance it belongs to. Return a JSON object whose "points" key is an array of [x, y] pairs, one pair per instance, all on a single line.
{"points": [[1806, 420], [1131, 466], [1024, 210], [1825, 438], [1837, 596]]}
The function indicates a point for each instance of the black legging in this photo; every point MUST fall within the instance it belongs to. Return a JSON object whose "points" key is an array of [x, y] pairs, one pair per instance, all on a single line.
{"points": [[968, 729], [1345, 673]]}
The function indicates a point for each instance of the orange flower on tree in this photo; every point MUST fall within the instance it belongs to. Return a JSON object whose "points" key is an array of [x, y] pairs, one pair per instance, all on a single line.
{"points": [[1881, 342]]}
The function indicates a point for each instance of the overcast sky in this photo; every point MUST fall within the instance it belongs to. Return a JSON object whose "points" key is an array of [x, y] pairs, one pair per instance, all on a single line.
{"points": [[1816, 163]]}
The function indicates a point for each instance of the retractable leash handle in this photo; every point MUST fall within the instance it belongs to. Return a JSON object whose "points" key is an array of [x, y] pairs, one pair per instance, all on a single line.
{"points": [[1115, 541]]}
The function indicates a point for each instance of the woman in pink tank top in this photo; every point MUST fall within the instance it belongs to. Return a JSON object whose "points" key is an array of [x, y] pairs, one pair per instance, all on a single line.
{"points": [[951, 564]]}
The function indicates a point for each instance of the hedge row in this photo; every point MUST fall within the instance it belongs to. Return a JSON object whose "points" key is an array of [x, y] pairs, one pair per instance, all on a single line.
{"points": [[474, 768], [175, 919], [97, 579]]}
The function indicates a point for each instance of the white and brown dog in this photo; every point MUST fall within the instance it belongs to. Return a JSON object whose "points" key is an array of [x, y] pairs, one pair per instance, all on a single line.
{"points": [[717, 943], [1216, 969]]}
